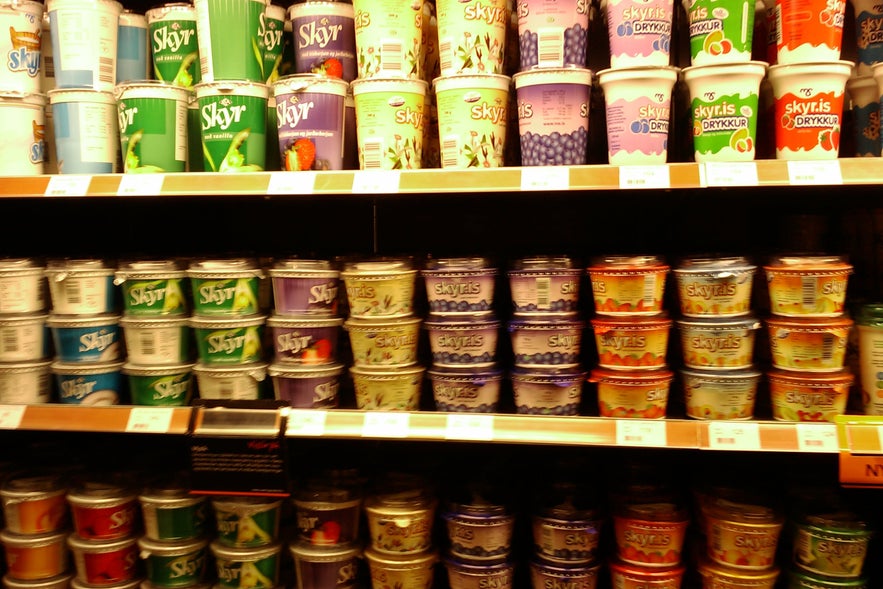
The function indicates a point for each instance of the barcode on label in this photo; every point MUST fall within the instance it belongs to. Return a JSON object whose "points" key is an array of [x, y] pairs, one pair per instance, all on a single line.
{"points": [[105, 70], [72, 293], [777, 15], [445, 50], [544, 289], [808, 291], [48, 66], [148, 343], [203, 64], [813, 443], [450, 151], [633, 438], [550, 46], [391, 56], [828, 347], [10, 340], [372, 154], [726, 441], [649, 290]]}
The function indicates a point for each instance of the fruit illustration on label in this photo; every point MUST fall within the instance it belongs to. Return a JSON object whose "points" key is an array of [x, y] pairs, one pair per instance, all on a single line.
{"points": [[251, 577], [318, 353], [327, 533], [741, 141], [331, 67], [829, 139], [183, 78], [249, 532], [243, 298], [301, 155], [716, 44]]}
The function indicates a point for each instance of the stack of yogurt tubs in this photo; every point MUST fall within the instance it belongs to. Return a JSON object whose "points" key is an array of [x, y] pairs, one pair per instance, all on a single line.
{"points": [[104, 541], [546, 335], [24, 338], [246, 550], [631, 333], [808, 336], [86, 332], [156, 332], [717, 337], [463, 333], [383, 333], [175, 545], [305, 329], [228, 326], [34, 539]]}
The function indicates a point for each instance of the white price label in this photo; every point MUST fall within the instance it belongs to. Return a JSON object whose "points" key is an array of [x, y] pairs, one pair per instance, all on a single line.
{"points": [[11, 416], [469, 426], [724, 435], [150, 420], [817, 437], [376, 181], [141, 184], [386, 424], [306, 422], [644, 177], [729, 174], [292, 182], [545, 178], [68, 185], [815, 172], [639, 432]]}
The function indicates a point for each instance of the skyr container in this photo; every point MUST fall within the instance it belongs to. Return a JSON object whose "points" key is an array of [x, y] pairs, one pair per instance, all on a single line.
{"points": [[715, 287], [305, 287], [628, 285]]}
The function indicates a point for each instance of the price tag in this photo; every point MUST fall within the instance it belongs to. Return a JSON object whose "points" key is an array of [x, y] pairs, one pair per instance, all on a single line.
{"points": [[469, 426], [545, 178], [292, 182], [68, 185], [644, 177], [815, 172], [817, 437], [724, 435], [730, 174], [386, 424], [639, 432], [306, 422], [376, 181], [149, 420], [141, 184], [11, 416]]}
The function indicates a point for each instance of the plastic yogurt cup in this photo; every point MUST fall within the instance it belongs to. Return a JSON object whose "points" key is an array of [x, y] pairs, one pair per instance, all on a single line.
{"points": [[382, 289], [63, 581], [34, 557], [546, 342], [413, 571], [34, 504], [156, 341], [809, 345], [247, 522], [628, 285], [718, 344], [83, 123], [391, 121], [567, 535], [312, 387], [325, 566], [466, 390], [473, 115], [715, 287], [229, 340], [167, 386], [459, 286], [465, 575], [564, 27], [717, 575], [639, 32], [230, 381], [808, 31], [544, 285], [327, 516], [472, 37], [80, 287], [632, 393], [864, 96], [22, 286], [259, 567], [98, 383], [25, 150], [631, 343], [479, 534], [869, 322], [388, 38], [26, 382], [153, 138], [742, 536], [720, 394], [650, 535], [463, 342], [807, 286], [400, 523], [172, 515], [305, 340], [543, 574], [631, 576], [799, 579], [809, 396], [305, 287], [384, 343], [103, 511], [720, 32], [387, 389], [324, 39], [225, 287], [831, 544], [174, 45], [25, 337], [104, 563], [189, 558], [153, 288], [86, 339], [547, 392]]}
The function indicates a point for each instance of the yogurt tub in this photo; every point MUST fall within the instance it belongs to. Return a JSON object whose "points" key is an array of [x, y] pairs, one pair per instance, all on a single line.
{"points": [[62, 581], [382, 343], [462, 575], [98, 383], [556, 575], [553, 115], [724, 107], [869, 321], [641, 394], [311, 387], [471, 36], [225, 287], [230, 46], [564, 27], [476, 390], [153, 134], [382, 289], [627, 576], [414, 571], [832, 544], [864, 97], [327, 516], [80, 287], [809, 396], [742, 536], [459, 286], [180, 563], [172, 515], [22, 286], [472, 119], [156, 341], [390, 121], [546, 342], [34, 557], [628, 285], [81, 339], [247, 522], [230, 382], [799, 579], [324, 39], [715, 287], [650, 535], [400, 524], [234, 115], [271, 32], [34, 504], [174, 44], [807, 286], [305, 287], [229, 340], [25, 151], [479, 534], [85, 128], [467, 342], [718, 344], [388, 38], [567, 538], [258, 566], [803, 37], [544, 285], [639, 32], [631, 343], [136, 583], [24, 20], [26, 382], [547, 393], [809, 345], [25, 337], [868, 40], [318, 567], [387, 389], [720, 32], [720, 394], [809, 108], [166, 386], [104, 563], [103, 512], [638, 103], [151, 288], [90, 61], [305, 340], [716, 575]]}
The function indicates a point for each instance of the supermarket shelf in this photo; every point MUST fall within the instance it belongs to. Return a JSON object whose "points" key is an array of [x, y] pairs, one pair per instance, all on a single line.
{"points": [[118, 419], [855, 171]]}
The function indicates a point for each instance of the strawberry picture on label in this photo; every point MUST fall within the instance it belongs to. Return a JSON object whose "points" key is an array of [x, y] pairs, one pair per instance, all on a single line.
{"points": [[301, 155], [331, 67]]}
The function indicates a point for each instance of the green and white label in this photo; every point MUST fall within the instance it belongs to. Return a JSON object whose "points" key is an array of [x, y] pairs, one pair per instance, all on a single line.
{"points": [[235, 345], [154, 297], [228, 38], [175, 52], [234, 296], [234, 132], [153, 134]]}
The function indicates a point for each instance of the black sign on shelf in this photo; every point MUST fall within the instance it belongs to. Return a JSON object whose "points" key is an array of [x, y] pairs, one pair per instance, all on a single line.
{"points": [[238, 448]]}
